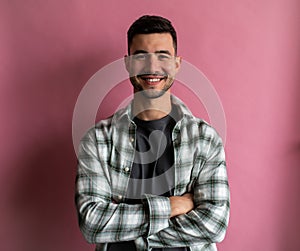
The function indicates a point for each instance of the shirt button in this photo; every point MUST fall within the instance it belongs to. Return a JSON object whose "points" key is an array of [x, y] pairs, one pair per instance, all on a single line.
{"points": [[176, 141], [126, 169]]}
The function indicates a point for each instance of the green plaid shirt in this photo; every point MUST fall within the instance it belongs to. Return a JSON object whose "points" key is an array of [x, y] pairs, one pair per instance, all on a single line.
{"points": [[105, 158]]}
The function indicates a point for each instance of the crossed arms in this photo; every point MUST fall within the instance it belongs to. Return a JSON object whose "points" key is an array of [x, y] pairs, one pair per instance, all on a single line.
{"points": [[197, 217]]}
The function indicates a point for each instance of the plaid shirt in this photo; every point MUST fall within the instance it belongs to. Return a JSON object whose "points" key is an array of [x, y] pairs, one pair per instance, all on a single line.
{"points": [[105, 158]]}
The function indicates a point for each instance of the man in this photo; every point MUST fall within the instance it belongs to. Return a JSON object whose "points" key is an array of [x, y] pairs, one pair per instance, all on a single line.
{"points": [[153, 176]]}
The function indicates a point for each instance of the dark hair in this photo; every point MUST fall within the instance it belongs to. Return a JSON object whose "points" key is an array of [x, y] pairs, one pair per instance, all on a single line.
{"points": [[151, 24]]}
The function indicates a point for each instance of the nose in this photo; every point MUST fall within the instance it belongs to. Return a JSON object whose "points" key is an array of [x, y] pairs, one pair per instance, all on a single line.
{"points": [[152, 64]]}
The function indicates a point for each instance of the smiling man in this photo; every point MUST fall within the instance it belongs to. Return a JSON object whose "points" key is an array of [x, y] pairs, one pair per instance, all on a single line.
{"points": [[152, 176]]}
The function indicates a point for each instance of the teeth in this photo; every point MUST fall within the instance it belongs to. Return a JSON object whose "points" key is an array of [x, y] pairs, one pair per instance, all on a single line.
{"points": [[153, 79]]}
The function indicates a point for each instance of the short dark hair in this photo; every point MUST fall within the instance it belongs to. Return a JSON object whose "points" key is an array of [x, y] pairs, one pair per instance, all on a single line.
{"points": [[151, 24]]}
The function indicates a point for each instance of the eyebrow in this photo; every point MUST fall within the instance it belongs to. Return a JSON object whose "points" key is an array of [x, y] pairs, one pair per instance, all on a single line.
{"points": [[160, 51]]}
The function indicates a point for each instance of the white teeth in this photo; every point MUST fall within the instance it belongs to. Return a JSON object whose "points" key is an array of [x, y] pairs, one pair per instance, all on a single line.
{"points": [[153, 79]]}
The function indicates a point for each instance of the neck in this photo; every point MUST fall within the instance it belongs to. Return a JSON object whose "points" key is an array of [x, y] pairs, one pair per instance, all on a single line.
{"points": [[151, 108]]}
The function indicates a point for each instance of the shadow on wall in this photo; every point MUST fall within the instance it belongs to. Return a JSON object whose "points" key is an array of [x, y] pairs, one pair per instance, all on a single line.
{"points": [[290, 198]]}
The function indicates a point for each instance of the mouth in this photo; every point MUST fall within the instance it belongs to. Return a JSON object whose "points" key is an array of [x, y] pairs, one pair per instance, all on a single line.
{"points": [[152, 79]]}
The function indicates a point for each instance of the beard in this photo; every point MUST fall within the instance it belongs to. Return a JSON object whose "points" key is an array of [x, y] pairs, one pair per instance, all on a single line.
{"points": [[151, 93]]}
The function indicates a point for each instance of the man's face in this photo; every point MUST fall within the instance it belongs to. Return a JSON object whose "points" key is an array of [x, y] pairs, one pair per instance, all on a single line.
{"points": [[152, 63]]}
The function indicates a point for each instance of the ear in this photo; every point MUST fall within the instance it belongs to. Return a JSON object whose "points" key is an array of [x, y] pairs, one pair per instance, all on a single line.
{"points": [[178, 60], [127, 63]]}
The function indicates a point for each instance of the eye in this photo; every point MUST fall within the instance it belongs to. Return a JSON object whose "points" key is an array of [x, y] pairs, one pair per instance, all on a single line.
{"points": [[163, 56], [139, 56]]}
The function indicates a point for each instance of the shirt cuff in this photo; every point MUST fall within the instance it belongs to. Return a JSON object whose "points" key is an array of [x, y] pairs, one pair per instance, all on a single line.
{"points": [[159, 211]]}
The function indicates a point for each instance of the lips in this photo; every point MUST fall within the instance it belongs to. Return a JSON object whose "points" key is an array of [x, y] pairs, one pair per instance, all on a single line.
{"points": [[152, 80]]}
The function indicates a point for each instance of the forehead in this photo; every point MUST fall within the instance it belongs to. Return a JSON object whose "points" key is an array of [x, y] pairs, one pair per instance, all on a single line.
{"points": [[152, 42]]}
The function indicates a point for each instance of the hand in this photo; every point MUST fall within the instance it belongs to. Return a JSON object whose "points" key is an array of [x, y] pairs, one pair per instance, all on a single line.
{"points": [[181, 204]]}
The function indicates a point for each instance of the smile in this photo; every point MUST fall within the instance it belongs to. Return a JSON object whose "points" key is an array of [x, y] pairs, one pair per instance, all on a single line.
{"points": [[152, 80]]}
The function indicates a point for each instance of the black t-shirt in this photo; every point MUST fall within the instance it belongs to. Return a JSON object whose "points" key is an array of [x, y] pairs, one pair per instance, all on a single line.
{"points": [[153, 168]]}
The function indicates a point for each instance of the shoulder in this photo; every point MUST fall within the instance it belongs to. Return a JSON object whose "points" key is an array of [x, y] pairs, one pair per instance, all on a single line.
{"points": [[105, 127], [203, 130]]}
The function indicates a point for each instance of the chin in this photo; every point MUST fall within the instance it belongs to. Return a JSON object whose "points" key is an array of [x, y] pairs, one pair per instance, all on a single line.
{"points": [[152, 94]]}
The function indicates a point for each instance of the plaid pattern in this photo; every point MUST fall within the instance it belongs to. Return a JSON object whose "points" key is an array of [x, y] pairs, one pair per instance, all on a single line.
{"points": [[106, 154]]}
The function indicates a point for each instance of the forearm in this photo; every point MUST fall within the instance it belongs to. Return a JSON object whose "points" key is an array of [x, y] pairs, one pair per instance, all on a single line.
{"points": [[205, 224], [102, 221]]}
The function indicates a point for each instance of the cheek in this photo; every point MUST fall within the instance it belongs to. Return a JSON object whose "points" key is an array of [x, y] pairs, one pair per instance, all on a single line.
{"points": [[136, 68], [170, 70]]}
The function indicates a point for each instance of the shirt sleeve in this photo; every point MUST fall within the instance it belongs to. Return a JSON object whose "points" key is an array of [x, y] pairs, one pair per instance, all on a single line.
{"points": [[102, 220], [208, 222]]}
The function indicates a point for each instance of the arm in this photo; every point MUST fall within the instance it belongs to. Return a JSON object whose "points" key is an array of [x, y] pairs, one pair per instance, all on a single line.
{"points": [[100, 219], [208, 221]]}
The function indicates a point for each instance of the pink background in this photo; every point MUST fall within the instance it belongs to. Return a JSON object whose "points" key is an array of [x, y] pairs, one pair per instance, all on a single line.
{"points": [[248, 49]]}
